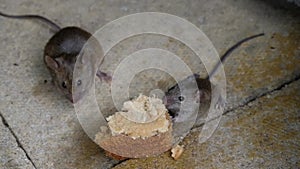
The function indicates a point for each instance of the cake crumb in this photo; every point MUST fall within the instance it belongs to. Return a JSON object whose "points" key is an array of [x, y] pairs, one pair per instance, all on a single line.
{"points": [[177, 151]]}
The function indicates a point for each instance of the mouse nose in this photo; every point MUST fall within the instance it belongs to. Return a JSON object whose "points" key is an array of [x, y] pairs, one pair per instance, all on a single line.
{"points": [[75, 98], [70, 98]]}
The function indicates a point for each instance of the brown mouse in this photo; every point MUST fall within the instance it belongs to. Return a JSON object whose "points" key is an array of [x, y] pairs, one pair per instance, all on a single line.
{"points": [[61, 53], [174, 97]]}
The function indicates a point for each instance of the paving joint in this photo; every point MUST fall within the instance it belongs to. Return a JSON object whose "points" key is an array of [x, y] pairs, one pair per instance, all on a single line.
{"points": [[17, 139], [263, 94], [253, 99], [120, 162]]}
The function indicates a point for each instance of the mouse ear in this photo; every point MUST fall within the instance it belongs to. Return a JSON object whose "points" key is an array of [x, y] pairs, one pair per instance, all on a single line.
{"points": [[196, 75], [81, 57], [193, 76], [204, 96], [51, 62], [198, 96]]}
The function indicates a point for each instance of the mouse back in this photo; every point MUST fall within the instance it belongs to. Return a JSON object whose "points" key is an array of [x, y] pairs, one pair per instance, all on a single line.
{"points": [[69, 40]]}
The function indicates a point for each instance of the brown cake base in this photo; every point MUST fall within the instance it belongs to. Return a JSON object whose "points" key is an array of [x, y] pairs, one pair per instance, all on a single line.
{"points": [[128, 147]]}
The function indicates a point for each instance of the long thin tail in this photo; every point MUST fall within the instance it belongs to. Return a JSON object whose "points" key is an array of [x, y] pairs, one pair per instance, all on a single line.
{"points": [[229, 51], [41, 18]]}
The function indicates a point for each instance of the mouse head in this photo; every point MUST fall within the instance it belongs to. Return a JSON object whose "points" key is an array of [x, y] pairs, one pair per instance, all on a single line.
{"points": [[60, 55], [185, 93], [182, 93], [61, 70], [73, 83]]}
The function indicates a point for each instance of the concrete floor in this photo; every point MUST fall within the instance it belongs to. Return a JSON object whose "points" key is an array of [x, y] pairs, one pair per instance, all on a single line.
{"points": [[260, 128]]}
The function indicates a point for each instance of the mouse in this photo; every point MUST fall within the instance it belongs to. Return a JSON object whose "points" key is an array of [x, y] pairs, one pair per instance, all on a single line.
{"points": [[61, 53], [201, 95]]}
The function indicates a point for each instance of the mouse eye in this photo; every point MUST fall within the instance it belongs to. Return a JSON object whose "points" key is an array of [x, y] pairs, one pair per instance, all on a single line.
{"points": [[181, 98], [79, 82], [64, 85]]}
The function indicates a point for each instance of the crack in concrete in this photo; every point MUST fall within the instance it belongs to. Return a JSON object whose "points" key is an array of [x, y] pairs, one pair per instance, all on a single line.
{"points": [[114, 165], [252, 99], [17, 140]]}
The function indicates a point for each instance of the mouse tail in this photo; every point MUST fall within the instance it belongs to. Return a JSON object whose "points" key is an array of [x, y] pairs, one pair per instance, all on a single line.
{"points": [[229, 51], [53, 25]]}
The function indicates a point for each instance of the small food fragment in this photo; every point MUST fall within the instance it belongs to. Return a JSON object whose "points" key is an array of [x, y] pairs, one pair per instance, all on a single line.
{"points": [[102, 134], [177, 151]]}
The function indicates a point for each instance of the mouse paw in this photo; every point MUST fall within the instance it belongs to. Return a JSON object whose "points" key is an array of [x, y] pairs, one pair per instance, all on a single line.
{"points": [[104, 77]]}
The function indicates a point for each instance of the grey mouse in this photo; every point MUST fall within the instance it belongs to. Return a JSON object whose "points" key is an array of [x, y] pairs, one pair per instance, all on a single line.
{"points": [[60, 54], [174, 98]]}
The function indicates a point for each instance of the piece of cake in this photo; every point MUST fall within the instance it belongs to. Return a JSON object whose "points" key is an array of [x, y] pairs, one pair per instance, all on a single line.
{"points": [[143, 128]]}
